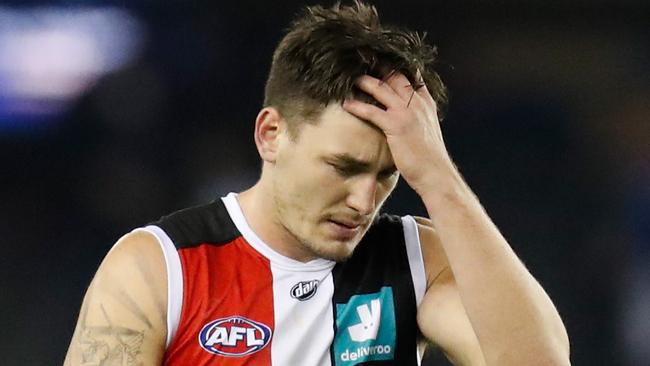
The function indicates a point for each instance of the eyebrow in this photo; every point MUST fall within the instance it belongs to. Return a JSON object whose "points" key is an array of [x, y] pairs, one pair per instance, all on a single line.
{"points": [[356, 164]]}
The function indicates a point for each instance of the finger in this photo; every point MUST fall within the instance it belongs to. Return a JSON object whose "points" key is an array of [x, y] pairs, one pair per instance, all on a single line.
{"points": [[401, 85], [421, 86], [379, 90], [366, 112]]}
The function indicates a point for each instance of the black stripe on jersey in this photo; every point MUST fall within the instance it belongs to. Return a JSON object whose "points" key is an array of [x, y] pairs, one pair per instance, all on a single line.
{"points": [[381, 260], [199, 225]]}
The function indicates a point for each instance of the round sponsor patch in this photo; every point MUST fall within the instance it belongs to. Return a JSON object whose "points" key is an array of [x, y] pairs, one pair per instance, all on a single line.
{"points": [[234, 336]]}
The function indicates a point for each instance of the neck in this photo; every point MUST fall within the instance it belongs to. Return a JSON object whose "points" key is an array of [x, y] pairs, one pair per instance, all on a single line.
{"points": [[259, 209]]}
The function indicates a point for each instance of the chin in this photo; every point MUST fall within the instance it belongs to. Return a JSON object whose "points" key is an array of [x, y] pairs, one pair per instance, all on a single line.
{"points": [[334, 251]]}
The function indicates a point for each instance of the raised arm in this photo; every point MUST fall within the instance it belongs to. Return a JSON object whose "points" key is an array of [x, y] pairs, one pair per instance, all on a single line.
{"points": [[123, 315], [513, 319], [511, 315]]}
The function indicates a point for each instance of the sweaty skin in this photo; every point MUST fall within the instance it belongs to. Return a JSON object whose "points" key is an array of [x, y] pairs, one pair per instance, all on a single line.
{"points": [[513, 319]]}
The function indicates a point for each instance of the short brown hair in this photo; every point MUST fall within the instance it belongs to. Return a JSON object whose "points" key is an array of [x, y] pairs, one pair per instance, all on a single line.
{"points": [[326, 49]]}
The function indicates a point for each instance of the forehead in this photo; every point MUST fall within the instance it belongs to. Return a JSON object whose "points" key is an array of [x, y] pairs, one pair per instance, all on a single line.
{"points": [[339, 132]]}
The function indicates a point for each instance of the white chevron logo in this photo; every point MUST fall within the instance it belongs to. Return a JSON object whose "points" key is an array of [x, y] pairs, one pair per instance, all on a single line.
{"points": [[370, 320]]}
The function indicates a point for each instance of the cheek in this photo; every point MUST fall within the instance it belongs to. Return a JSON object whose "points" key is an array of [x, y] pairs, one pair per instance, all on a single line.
{"points": [[301, 188], [315, 179], [385, 189]]}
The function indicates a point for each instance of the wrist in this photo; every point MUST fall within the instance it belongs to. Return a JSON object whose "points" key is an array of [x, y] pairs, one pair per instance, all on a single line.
{"points": [[447, 193], [437, 177]]}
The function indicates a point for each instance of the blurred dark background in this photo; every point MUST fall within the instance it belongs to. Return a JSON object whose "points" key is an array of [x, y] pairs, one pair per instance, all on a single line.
{"points": [[113, 113]]}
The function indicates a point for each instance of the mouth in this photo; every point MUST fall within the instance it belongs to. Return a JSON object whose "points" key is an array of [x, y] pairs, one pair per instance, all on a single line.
{"points": [[344, 229], [347, 224]]}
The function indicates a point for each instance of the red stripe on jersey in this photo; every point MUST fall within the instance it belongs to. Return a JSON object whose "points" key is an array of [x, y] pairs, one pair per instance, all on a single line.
{"points": [[227, 307]]}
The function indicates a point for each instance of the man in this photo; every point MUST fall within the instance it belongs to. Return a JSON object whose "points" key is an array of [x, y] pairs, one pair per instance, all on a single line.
{"points": [[300, 269]]}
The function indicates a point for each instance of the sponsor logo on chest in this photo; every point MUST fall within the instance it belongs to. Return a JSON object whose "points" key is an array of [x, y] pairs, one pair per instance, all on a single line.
{"points": [[365, 329], [304, 290], [234, 336]]}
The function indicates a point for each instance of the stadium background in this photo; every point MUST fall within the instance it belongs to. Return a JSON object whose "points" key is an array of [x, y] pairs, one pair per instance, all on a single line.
{"points": [[113, 113]]}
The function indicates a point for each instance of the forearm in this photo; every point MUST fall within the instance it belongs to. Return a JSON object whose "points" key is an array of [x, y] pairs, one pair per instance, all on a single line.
{"points": [[515, 321]]}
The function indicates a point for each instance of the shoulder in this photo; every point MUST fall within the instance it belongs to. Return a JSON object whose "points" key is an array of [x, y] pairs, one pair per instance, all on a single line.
{"points": [[135, 262], [133, 245], [388, 228], [124, 309], [132, 250], [205, 223], [133, 278]]}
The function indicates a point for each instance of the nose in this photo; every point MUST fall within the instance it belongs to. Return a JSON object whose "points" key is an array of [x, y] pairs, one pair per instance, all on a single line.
{"points": [[362, 195]]}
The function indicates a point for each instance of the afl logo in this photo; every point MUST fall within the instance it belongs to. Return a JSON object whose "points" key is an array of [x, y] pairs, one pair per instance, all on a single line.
{"points": [[304, 290], [234, 336]]}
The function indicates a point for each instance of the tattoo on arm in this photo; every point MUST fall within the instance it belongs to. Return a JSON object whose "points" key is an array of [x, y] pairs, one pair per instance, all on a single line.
{"points": [[109, 345], [130, 304], [122, 316], [112, 345]]}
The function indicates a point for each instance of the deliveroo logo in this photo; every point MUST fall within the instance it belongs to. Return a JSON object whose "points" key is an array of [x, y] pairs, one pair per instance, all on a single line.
{"points": [[365, 329]]}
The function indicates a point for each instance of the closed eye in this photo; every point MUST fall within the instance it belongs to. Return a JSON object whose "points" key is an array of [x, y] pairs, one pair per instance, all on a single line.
{"points": [[387, 173], [343, 171]]}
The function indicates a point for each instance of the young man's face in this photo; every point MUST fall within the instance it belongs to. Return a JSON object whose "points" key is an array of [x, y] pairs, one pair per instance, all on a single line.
{"points": [[330, 181]]}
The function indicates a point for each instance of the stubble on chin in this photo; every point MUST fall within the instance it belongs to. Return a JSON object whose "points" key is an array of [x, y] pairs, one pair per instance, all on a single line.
{"points": [[331, 249], [341, 253]]}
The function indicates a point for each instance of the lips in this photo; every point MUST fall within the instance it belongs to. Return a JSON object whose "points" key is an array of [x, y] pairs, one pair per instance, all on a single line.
{"points": [[348, 224], [343, 229]]}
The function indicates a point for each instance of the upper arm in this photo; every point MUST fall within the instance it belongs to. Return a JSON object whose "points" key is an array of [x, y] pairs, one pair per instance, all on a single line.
{"points": [[123, 315], [441, 315]]}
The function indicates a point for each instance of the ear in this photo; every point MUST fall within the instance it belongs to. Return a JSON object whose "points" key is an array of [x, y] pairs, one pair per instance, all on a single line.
{"points": [[269, 127]]}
